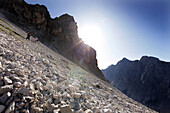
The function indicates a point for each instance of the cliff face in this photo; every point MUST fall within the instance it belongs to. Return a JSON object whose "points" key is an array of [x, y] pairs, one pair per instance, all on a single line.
{"points": [[60, 33], [146, 81]]}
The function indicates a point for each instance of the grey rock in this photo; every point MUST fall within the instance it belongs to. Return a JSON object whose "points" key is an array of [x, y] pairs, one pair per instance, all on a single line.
{"points": [[77, 95], [5, 88], [24, 91], [5, 97], [11, 107], [1, 82], [2, 107], [15, 78], [88, 111], [7, 81], [89, 105], [36, 109], [17, 84], [65, 109], [9, 101]]}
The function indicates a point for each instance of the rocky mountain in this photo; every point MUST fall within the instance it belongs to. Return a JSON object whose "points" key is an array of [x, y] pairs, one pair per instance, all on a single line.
{"points": [[36, 79], [146, 80], [59, 34]]}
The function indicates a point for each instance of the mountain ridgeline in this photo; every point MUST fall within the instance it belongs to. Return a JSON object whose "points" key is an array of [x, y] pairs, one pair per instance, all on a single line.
{"points": [[59, 34], [146, 80]]}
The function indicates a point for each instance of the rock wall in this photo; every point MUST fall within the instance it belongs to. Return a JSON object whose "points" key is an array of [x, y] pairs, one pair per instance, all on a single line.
{"points": [[146, 80], [59, 33]]}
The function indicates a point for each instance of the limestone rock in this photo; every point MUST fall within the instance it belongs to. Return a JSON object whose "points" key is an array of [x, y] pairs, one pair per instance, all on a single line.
{"points": [[24, 91], [2, 107], [5, 97], [88, 111], [7, 81], [77, 95], [17, 84], [65, 109], [5, 88], [11, 107]]}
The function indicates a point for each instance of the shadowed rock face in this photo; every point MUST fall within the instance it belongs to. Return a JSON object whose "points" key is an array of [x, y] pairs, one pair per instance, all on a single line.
{"points": [[59, 34], [146, 81]]}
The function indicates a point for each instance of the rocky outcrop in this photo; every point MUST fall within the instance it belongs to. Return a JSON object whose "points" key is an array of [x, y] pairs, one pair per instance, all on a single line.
{"points": [[60, 33], [146, 80]]}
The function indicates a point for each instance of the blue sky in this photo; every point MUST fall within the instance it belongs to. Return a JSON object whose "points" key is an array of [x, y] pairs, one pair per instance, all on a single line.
{"points": [[130, 28]]}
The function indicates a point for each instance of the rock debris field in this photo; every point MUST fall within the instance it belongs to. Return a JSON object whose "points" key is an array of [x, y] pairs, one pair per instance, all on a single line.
{"points": [[34, 79]]}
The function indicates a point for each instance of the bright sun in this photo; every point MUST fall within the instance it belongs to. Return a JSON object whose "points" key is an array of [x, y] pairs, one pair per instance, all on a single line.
{"points": [[91, 35]]}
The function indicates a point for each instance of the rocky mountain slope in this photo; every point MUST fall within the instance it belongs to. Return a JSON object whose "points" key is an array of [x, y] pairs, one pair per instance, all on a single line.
{"points": [[35, 79], [60, 33], [146, 80]]}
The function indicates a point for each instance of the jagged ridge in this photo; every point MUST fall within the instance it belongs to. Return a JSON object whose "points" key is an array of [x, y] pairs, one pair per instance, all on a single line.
{"points": [[145, 80]]}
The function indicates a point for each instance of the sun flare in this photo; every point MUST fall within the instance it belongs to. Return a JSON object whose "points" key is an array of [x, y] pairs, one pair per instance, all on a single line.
{"points": [[91, 35]]}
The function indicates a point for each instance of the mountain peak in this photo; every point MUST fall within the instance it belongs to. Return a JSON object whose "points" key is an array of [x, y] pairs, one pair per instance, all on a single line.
{"points": [[143, 80]]}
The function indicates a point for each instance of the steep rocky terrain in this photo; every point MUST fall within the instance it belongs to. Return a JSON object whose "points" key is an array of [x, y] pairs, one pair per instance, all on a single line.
{"points": [[35, 79], [60, 33], [146, 80]]}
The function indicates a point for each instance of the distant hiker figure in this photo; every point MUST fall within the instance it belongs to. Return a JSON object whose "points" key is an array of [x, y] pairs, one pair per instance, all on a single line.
{"points": [[28, 36], [36, 40]]}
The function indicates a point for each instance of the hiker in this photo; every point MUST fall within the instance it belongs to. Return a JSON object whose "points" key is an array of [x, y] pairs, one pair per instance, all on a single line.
{"points": [[36, 40], [28, 36]]}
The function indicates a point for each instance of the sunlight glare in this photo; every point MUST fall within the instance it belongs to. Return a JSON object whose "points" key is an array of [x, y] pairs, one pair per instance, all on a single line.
{"points": [[92, 35]]}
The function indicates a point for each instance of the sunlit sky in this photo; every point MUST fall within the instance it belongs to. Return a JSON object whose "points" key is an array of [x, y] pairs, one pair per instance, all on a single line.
{"points": [[119, 28]]}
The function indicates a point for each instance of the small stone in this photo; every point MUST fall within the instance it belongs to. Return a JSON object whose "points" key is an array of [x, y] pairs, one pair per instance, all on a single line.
{"points": [[11, 107], [9, 101], [49, 107], [71, 100], [89, 105], [17, 84], [6, 88], [36, 109], [5, 97], [57, 111], [56, 96], [83, 95], [19, 73], [2, 107], [80, 111], [26, 111], [15, 78], [21, 104], [1, 82], [7, 81], [65, 109], [107, 111], [72, 104], [24, 91], [57, 101], [97, 110], [88, 111], [77, 95]]}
